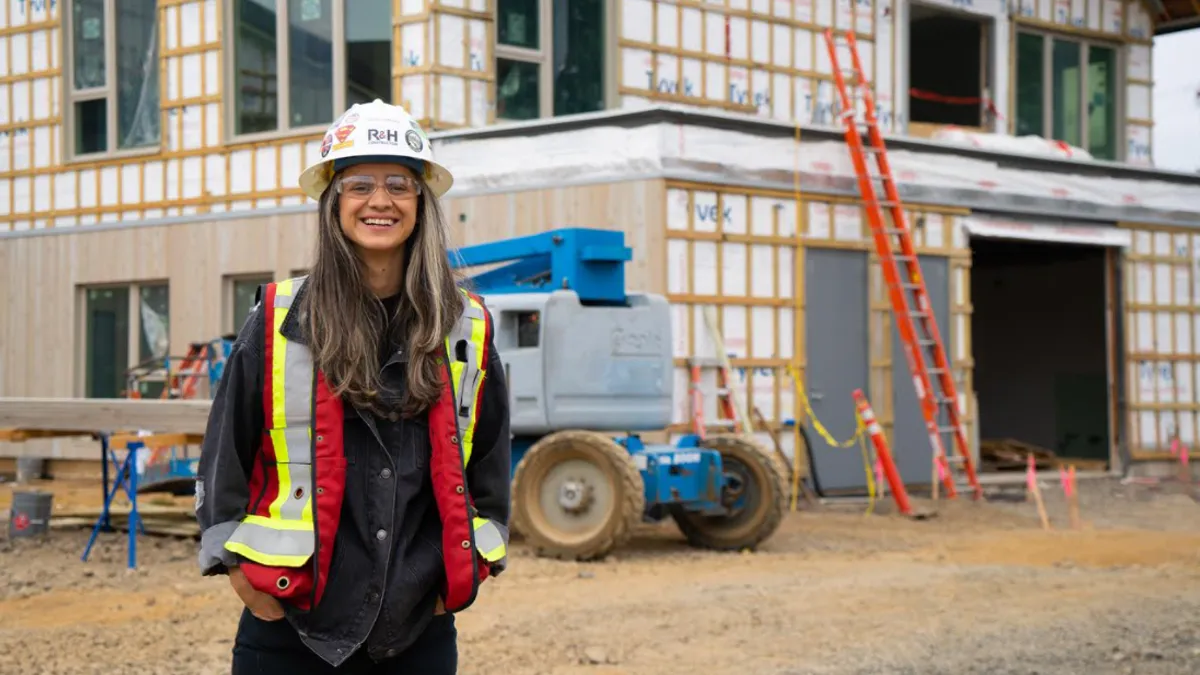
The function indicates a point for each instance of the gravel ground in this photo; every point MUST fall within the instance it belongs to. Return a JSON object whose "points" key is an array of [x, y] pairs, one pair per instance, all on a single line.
{"points": [[979, 588]]}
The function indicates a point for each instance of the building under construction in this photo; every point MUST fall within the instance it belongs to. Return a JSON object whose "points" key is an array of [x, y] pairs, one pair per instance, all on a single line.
{"points": [[150, 152]]}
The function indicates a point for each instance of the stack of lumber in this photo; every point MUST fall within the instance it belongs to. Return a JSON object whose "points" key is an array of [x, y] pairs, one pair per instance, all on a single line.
{"points": [[156, 519], [104, 415], [1009, 454]]}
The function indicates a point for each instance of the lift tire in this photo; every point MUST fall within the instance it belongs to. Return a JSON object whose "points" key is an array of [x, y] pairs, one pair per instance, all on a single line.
{"points": [[619, 501], [766, 488]]}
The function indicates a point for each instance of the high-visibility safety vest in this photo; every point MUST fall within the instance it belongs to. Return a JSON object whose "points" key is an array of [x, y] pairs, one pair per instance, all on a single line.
{"points": [[296, 487]]}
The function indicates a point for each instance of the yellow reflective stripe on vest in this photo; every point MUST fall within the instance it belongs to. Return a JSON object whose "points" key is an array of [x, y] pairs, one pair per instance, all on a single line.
{"points": [[285, 536], [491, 540], [466, 347]]}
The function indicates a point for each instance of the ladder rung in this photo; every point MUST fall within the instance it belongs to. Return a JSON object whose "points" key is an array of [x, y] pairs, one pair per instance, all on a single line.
{"points": [[943, 430]]}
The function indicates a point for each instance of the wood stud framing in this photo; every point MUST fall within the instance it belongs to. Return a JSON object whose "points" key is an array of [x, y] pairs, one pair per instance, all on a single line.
{"points": [[195, 170], [742, 252], [444, 67], [1162, 324], [445, 72], [749, 56]]}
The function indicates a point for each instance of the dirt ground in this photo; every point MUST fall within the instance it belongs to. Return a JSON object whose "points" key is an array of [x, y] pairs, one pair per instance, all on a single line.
{"points": [[979, 588]]}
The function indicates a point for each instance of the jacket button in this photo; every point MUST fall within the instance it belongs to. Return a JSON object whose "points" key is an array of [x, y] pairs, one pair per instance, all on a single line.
{"points": [[381, 535], [386, 473], [320, 438], [466, 543], [454, 440], [458, 489]]}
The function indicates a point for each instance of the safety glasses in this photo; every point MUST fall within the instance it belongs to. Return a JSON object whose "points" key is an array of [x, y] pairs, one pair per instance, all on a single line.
{"points": [[362, 187]]}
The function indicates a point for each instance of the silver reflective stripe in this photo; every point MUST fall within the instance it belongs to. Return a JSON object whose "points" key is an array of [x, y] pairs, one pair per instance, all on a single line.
{"points": [[274, 542], [299, 444], [466, 386], [489, 537], [301, 479], [297, 385], [282, 301], [471, 311], [297, 407]]}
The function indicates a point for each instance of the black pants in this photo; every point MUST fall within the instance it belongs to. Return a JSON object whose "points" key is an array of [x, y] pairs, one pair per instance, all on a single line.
{"points": [[274, 647]]}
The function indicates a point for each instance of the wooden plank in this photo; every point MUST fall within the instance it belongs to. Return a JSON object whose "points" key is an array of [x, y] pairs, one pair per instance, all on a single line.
{"points": [[80, 414]]}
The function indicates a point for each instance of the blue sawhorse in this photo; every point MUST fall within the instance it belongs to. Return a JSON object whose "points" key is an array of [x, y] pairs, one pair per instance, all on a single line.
{"points": [[126, 479]]}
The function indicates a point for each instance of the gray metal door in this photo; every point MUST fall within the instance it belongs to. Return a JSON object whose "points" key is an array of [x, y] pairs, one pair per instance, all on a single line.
{"points": [[912, 451], [835, 300]]}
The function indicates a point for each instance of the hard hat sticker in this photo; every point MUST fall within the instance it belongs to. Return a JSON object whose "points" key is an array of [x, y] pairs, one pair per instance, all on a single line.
{"points": [[342, 134], [383, 137], [414, 140], [326, 144]]}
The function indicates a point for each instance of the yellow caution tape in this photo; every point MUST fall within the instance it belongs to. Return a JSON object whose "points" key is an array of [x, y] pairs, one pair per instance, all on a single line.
{"points": [[859, 437], [820, 428]]}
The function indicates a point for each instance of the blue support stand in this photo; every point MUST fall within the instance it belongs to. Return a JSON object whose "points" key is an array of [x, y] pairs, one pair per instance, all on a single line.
{"points": [[126, 479]]}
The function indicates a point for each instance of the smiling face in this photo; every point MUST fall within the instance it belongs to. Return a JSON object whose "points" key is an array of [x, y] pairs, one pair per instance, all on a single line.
{"points": [[378, 206]]}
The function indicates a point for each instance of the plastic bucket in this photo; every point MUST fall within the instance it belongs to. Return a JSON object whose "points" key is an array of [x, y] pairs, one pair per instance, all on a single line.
{"points": [[30, 469], [30, 514]]}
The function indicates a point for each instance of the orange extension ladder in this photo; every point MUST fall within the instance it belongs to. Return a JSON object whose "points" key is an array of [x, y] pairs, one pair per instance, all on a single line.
{"points": [[907, 292]]}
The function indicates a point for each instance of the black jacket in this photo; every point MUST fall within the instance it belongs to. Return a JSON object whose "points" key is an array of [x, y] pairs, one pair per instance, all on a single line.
{"points": [[383, 595]]}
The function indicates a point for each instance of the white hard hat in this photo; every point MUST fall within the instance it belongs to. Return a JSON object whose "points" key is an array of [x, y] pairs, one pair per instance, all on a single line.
{"points": [[374, 132]]}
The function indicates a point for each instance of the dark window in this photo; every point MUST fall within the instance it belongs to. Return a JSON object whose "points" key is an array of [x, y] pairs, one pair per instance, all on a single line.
{"points": [[244, 292], [518, 23], [1101, 102], [946, 68], [549, 57], [368, 51], [91, 126], [1031, 85], [1078, 102], [124, 114], [517, 90], [529, 327], [107, 350], [256, 75], [310, 62], [578, 56]]}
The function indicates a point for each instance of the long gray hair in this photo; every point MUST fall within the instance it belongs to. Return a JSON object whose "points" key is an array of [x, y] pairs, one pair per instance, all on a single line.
{"points": [[345, 317]]}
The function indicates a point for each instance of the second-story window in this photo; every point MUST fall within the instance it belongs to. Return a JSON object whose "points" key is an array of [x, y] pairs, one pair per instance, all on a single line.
{"points": [[113, 82], [298, 63], [550, 57], [1067, 91]]}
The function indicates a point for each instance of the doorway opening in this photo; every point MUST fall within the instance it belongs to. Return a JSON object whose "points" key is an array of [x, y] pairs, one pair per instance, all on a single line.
{"points": [[1040, 343], [948, 68]]}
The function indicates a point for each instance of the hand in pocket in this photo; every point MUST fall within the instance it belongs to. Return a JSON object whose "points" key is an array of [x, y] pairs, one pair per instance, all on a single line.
{"points": [[260, 604]]}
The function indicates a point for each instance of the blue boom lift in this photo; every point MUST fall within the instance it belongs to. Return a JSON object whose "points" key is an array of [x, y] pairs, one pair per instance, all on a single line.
{"points": [[589, 365]]}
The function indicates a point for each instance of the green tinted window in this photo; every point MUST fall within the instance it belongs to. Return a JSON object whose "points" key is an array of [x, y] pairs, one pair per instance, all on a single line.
{"points": [[107, 342], [1102, 102], [1067, 75], [1031, 86]]}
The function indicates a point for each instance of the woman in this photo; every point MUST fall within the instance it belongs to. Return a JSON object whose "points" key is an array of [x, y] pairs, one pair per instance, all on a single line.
{"points": [[354, 478]]}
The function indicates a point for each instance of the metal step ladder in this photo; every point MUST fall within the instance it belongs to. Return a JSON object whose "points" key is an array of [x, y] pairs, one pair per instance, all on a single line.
{"points": [[935, 385]]}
